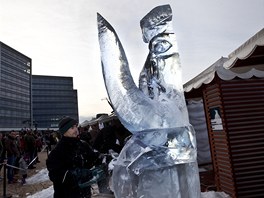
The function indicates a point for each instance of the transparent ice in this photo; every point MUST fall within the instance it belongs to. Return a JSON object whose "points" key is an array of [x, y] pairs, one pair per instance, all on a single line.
{"points": [[160, 158]]}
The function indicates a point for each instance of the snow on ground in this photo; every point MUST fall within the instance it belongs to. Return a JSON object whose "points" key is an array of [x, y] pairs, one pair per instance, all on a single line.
{"points": [[212, 194], [47, 193], [42, 176]]}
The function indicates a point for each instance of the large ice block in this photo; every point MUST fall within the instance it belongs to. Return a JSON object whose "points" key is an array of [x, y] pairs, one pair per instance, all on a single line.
{"points": [[159, 161]]}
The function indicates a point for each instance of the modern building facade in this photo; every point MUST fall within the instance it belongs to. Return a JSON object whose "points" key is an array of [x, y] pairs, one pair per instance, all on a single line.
{"points": [[15, 89], [32, 101], [53, 98]]}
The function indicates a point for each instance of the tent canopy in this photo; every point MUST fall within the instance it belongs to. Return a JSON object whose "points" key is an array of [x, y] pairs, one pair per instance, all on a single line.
{"points": [[245, 62], [103, 118], [250, 53]]}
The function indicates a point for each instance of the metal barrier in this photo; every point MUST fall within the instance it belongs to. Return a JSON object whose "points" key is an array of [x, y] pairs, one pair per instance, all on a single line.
{"points": [[5, 165]]}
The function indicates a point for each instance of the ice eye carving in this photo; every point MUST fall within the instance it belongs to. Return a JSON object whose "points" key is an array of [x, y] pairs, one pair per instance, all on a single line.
{"points": [[160, 47]]}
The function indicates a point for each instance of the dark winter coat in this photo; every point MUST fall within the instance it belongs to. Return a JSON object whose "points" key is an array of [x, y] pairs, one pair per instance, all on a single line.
{"points": [[11, 146], [30, 143], [69, 157], [106, 139]]}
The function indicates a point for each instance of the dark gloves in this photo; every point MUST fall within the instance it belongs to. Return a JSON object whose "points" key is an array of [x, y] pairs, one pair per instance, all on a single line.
{"points": [[79, 176], [83, 178], [98, 174]]}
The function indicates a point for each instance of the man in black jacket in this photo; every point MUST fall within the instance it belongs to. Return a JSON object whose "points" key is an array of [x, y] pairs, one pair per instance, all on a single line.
{"points": [[69, 163]]}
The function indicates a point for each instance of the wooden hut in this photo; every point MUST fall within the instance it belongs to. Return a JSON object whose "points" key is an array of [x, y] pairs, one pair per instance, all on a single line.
{"points": [[232, 91]]}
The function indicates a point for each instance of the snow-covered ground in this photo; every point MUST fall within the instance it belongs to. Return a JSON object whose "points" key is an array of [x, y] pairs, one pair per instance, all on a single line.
{"points": [[42, 176]]}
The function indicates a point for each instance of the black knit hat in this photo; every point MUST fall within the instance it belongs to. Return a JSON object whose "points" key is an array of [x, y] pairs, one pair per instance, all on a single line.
{"points": [[66, 123]]}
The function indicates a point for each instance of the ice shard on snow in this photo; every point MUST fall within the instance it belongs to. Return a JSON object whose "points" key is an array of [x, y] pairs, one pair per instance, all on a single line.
{"points": [[160, 158]]}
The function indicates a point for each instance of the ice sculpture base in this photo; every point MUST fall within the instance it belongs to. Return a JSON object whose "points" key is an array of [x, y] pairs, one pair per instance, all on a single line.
{"points": [[158, 163]]}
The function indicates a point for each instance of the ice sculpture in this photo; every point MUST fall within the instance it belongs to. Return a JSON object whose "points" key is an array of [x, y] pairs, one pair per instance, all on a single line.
{"points": [[159, 161]]}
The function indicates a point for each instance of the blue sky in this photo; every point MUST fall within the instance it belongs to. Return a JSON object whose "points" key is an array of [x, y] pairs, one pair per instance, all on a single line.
{"points": [[61, 36]]}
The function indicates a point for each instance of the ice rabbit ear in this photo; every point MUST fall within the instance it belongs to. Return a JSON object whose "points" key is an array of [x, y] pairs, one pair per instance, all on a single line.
{"points": [[130, 104]]}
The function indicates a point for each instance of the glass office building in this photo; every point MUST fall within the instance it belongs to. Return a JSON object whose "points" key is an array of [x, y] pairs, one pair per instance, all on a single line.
{"points": [[53, 98], [15, 89], [32, 101]]}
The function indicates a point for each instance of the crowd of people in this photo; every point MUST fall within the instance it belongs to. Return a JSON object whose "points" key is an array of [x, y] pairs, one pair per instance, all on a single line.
{"points": [[74, 161], [19, 150]]}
